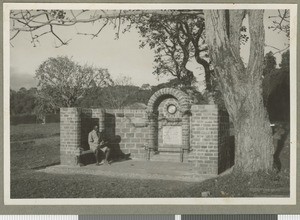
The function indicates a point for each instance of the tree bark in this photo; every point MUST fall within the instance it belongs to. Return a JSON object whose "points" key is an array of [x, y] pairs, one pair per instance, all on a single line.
{"points": [[207, 71], [242, 87], [253, 135]]}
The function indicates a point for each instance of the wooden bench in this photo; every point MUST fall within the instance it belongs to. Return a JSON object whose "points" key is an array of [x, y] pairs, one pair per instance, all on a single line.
{"points": [[85, 153], [179, 150]]}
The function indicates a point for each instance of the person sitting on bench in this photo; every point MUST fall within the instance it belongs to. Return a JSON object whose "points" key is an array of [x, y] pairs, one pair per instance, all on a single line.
{"points": [[97, 144]]}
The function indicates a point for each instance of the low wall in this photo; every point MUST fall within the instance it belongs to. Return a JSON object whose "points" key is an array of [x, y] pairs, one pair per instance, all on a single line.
{"points": [[128, 131]]}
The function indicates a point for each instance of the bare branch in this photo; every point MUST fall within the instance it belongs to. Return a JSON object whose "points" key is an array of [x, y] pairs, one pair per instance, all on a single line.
{"points": [[119, 26], [98, 32], [73, 14], [75, 20], [34, 20], [278, 50], [283, 24], [15, 35]]}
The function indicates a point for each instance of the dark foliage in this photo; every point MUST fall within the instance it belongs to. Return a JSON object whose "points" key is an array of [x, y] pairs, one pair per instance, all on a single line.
{"points": [[23, 119], [22, 101], [118, 96], [276, 87]]}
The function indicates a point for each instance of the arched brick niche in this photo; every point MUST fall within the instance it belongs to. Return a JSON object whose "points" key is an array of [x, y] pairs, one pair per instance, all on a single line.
{"points": [[157, 110]]}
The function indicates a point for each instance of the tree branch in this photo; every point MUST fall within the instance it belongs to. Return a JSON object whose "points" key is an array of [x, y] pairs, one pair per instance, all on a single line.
{"points": [[98, 32], [15, 35], [32, 20]]}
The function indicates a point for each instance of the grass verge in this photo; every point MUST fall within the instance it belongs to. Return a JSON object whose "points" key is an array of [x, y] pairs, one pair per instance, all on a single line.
{"points": [[28, 182]]}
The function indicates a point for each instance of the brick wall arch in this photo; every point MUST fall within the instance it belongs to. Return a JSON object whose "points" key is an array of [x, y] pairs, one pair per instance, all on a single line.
{"points": [[182, 98], [184, 107]]}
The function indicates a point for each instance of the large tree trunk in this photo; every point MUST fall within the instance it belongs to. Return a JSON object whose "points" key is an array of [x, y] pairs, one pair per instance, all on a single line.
{"points": [[242, 87], [253, 135]]}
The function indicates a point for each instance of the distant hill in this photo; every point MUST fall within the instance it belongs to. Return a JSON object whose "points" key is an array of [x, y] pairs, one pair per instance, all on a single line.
{"points": [[19, 80]]}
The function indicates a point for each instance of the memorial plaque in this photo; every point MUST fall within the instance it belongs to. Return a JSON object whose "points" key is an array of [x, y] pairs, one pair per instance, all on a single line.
{"points": [[172, 135]]}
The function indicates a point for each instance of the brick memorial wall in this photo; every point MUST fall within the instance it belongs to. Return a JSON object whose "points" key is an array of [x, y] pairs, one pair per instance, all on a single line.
{"points": [[126, 129], [169, 124], [204, 130], [130, 127]]}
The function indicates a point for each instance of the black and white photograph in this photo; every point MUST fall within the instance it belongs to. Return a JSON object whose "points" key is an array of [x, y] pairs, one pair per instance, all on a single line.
{"points": [[189, 104]]}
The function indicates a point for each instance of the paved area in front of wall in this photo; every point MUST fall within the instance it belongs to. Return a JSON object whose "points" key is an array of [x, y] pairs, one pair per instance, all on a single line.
{"points": [[136, 169]]}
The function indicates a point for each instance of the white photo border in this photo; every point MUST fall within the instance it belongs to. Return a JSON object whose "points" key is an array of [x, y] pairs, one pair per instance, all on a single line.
{"points": [[150, 201]]}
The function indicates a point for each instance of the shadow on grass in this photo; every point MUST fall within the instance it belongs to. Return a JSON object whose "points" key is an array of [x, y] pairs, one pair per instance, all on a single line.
{"points": [[45, 166]]}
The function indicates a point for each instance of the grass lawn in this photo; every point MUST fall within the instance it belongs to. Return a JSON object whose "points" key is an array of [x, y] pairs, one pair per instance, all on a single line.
{"points": [[23, 132], [38, 147]]}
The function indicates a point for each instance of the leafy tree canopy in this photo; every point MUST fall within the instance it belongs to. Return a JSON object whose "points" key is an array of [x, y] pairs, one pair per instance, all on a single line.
{"points": [[62, 81]]}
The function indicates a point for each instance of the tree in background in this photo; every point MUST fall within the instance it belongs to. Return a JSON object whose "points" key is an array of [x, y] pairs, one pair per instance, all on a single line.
{"points": [[176, 39], [276, 87], [119, 94], [22, 101], [196, 96], [268, 73], [269, 63], [62, 82], [285, 61]]}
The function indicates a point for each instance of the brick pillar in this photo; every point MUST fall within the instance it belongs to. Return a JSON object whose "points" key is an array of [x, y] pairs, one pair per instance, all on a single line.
{"points": [[70, 137], [186, 131], [204, 138], [153, 120]]}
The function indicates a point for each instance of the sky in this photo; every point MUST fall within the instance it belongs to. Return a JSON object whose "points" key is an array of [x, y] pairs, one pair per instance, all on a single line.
{"points": [[122, 57]]}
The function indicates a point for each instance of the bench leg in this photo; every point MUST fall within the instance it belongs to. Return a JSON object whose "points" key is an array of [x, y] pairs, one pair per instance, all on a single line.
{"points": [[148, 154], [78, 161], [181, 156]]}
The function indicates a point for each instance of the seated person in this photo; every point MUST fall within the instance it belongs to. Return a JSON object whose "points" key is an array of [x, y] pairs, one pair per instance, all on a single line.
{"points": [[98, 144]]}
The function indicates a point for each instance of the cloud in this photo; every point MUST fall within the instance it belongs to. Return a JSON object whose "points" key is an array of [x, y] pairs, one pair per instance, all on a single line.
{"points": [[19, 79]]}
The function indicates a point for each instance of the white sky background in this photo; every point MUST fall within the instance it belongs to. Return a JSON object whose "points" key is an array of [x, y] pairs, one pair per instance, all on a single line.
{"points": [[120, 57]]}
